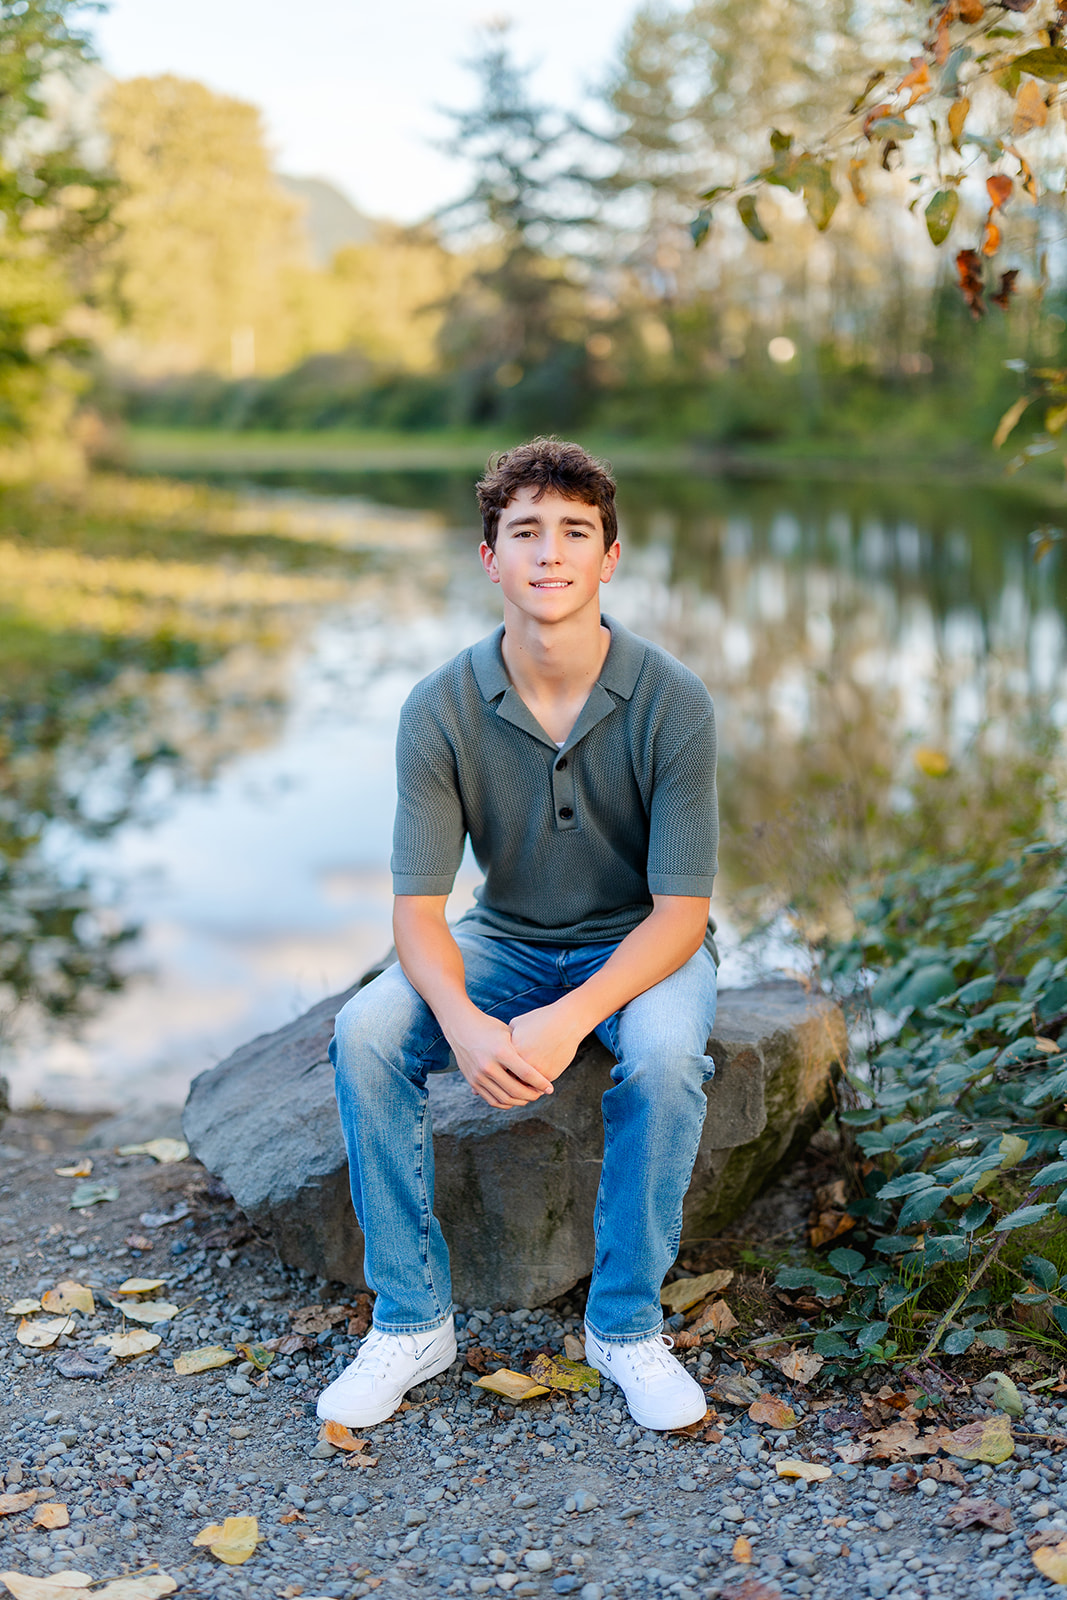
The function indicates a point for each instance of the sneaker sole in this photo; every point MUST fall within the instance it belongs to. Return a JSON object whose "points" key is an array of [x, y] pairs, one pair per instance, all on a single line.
{"points": [[351, 1418], [682, 1418]]}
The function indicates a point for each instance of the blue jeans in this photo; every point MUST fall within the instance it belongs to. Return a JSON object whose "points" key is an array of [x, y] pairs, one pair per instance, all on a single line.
{"points": [[387, 1039]]}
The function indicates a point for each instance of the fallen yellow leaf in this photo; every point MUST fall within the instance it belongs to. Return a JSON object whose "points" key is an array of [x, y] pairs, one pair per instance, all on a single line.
{"points": [[767, 1411], [149, 1586], [989, 1440], [742, 1550], [69, 1296], [134, 1342], [41, 1335], [82, 1170], [57, 1586], [18, 1501], [51, 1515], [203, 1360], [810, 1471], [150, 1311], [165, 1151], [258, 1354], [22, 1308], [1051, 1561], [687, 1292], [140, 1285], [933, 763], [512, 1385], [340, 1437], [556, 1372], [233, 1540]]}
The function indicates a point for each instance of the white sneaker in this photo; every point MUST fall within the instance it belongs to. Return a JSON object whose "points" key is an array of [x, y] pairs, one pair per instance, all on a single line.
{"points": [[659, 1391], [387, 1366]]}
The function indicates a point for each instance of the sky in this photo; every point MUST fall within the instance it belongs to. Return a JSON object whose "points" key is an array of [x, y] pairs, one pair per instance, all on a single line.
{"points": [[349, 89]]}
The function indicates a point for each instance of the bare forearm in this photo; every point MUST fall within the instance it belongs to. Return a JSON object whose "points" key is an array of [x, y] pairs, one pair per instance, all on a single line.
{"points": [[669, 937], [432, 963]]}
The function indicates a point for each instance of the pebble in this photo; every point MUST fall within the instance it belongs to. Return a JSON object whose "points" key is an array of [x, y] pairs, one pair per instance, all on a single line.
{"points": [[537, 1560]]}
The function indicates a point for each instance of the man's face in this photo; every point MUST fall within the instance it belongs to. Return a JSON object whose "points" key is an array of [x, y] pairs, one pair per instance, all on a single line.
{"points": [[549, 558]]}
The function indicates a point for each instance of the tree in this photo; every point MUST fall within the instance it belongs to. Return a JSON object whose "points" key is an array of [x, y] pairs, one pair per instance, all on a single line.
{"points": [[515, 328], [54, 220]]}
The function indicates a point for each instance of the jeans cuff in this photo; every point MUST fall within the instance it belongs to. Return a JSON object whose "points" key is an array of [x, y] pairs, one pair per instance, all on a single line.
{"points": [[414, 1327], [624, 1338]]}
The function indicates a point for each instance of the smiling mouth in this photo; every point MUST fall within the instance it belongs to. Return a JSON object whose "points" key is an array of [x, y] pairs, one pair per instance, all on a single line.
{"points": [[552, 583]]}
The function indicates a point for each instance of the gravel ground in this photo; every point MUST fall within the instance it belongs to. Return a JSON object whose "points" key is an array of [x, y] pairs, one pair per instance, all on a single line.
{"points": [[468, 1495]]}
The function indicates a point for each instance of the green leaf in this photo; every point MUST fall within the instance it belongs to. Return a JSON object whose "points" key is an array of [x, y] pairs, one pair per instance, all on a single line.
{"points": [[891, 128], [861, 1117], [895, 1245], [713, 194], [1040, 1271], [1048, 63], [1056, 1173], [1022, 1218], [746, 210], [907, 1183], [979, 990], [975, 1215], [1012, 1150], [1061, 1204], [959, 1340], [940, 215], [847, 1262], [930, 983], [1060, 1315], [945, 1247], [700, 227], [830, 1344], [822, 1286], [820, 196], [995, 1338], [921, 1207], [872, 1334]]}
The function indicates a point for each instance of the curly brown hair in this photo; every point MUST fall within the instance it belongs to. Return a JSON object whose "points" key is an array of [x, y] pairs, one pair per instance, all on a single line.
{"points": [[547, 464]]}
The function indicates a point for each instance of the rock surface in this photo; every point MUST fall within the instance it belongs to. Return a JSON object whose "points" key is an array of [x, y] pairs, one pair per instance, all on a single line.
{"points": [[515, 1190]]}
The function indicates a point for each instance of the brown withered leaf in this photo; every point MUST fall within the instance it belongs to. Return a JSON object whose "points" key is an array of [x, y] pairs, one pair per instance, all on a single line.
{"points": [[945, 1472], [999, 189], [906, 1478], [320, 1319], [826, 1225], [971, 10], [852, 1422], [139, 1241], [684, 1339], [742, 1551], [800, 1366], [981, 1514], [292, 1516], [1002, 298], [51, 1515], [734, 1391], [900, 1440], [768, 1411], [969, 270], [287, 1344], [831, 1196], [957, 118], [685, 1293], [360, 1322], [990, 239], [716, 1318], [852, 1453], [340, 1437], [16, 1501], [989, 1439], [1030, 110], [917, 80]]}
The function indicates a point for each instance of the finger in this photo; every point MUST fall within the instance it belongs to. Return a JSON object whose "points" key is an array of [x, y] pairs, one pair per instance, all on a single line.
{"points": [[520, 1068]]}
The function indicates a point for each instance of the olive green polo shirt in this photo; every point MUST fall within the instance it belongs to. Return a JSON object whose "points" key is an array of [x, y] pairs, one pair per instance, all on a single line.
{"points": [[575, 840]]}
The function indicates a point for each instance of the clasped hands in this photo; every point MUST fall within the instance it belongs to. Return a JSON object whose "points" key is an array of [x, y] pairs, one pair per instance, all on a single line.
{"points": [[514, 1065]]}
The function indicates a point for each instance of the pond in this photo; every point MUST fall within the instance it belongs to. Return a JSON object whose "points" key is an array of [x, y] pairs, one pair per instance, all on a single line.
{"points": [[200, 686]]}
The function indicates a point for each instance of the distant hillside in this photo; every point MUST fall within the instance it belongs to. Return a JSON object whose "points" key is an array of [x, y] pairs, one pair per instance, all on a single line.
{"points": [[331, 219]]}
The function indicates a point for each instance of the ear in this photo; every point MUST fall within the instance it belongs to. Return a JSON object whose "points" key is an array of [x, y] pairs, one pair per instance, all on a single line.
{"points": [[611, 561], [488, 557]]}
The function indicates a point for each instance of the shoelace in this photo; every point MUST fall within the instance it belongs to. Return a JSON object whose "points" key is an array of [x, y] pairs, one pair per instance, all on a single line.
{"points": [[650, 1356], [379, 1351]]}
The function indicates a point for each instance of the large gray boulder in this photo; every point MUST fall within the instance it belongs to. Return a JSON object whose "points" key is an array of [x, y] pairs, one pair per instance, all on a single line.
{"points": [[515, 1189]]}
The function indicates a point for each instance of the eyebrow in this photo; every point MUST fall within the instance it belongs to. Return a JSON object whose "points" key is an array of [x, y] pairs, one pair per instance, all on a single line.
{"points": [[535, 516]]}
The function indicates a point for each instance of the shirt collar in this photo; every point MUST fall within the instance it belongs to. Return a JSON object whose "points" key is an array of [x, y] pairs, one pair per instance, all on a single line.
{"points": [[620, 672]]}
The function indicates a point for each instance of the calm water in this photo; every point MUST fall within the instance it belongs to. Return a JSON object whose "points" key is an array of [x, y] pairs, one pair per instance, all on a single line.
{"points": [[235, 810]]}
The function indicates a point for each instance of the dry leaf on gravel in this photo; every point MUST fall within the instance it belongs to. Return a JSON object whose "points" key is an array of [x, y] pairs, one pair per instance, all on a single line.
{"points": [[138, 1241], [232, 1540], [687, 1292], [799, 1366], [945, 1472], [319, 1319], [258, 1354], [83, 1364], [18, 1501], [742, 1550], [52, 1514], [288, 1517], [716, 1318], [981, 1513], [287, 1344], [573, 1347], [556, 1372], [165, 1151], [810, 1471], [135, 1342], [852, 1453], [91, 1194], [69, 1296], [900, 1440], [150, 1311], [685, 1340], [57, 1586], [1051, 1561], [512, 1385], [149, 1586], [340, 1437], [987, 1440], [140, 1285], [82, 1170], [767, 1411], [734, 1391], [42, 1334], [204, 1359], [23, 1308]]}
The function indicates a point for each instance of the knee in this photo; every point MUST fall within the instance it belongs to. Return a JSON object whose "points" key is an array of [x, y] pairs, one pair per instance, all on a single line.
{"points": [[372, 1028], [665, 1073]]}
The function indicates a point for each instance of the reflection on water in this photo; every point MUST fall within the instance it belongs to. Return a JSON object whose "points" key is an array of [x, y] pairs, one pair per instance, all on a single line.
{"points": [[200, 694]]}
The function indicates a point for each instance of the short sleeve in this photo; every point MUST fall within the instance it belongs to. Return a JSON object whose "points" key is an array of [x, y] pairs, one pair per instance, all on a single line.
{"points": [[429, 830], [684, 817]]}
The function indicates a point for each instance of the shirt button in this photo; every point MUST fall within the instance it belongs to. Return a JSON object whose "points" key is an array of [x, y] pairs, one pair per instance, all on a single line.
{"points": [[566, 813], [561, 763]]}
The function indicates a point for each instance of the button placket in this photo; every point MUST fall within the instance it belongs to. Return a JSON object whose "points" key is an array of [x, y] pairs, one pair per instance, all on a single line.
{"points": [[563, 795]]}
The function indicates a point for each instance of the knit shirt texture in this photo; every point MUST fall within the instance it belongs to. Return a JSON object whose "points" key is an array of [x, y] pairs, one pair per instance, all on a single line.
{"points": [[575, 840]]}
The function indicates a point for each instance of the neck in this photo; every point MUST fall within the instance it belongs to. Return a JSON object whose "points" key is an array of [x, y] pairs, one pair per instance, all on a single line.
{"points": [[552, 657]]}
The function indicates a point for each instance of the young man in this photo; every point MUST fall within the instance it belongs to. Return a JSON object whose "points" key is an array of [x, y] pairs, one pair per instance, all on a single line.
{"points": [[580, 761]]}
